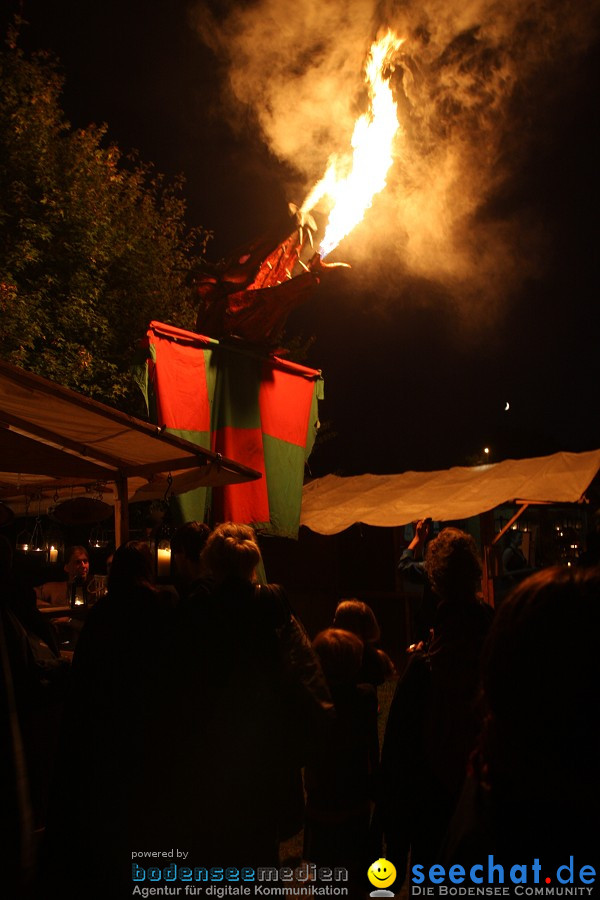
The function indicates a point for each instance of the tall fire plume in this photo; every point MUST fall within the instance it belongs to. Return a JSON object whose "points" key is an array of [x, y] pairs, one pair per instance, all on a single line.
{"points": [[468, 80], [351, 182]]}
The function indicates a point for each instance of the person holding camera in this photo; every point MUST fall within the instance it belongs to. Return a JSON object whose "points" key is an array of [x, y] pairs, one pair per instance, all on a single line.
{"points": [[412, 567]]}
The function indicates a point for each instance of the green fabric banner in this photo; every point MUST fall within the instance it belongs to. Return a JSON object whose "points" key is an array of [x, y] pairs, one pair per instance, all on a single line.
{"points": [[259, 411]]}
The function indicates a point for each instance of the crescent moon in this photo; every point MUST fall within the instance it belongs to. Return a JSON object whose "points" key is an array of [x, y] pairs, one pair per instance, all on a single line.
{"points": [[507, 407]]}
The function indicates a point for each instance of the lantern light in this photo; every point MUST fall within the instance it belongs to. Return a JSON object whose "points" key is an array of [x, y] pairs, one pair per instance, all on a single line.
{"points": [[163, 537]]}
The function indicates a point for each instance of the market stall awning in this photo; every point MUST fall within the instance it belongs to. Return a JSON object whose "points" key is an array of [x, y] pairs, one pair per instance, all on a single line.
{"points": [[52, 439], [332, 504]]}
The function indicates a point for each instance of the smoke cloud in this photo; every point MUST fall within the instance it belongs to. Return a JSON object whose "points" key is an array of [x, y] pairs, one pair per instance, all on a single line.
{"points": [[467, 81]]}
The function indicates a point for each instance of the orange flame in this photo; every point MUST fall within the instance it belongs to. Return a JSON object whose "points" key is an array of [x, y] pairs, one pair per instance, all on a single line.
{"points": [[351, 182]]}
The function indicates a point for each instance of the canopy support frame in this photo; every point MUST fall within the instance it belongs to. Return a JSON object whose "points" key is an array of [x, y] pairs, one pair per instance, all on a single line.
{"points": [[121, 510], [510, 523], [488, 545]]}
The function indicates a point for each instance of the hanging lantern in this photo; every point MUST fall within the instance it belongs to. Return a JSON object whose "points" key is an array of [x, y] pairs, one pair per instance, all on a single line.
{"points": [[23, 541], [33, 542], [38, 543], [163, 537], [163, 556], [78, 596], [99, 538]]}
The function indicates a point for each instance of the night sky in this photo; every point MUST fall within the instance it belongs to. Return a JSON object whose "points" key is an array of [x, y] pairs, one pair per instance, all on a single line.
{"points": [[419, 363]]}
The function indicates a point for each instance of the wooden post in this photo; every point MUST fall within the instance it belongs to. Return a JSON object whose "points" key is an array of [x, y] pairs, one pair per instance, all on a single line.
{"points": [[486, 524], [121, 511], [510, 522]]}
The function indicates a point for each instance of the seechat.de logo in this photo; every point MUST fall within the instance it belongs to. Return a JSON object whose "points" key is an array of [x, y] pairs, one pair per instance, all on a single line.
{"points": [[441, 879]]}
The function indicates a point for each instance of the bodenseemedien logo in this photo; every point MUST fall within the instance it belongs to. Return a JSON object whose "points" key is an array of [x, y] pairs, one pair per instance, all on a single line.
{"points": [[307, 880], [381, 874]]}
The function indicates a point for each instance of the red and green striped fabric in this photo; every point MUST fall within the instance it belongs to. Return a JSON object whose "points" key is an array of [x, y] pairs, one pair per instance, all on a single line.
{"points": [[260, 411]]}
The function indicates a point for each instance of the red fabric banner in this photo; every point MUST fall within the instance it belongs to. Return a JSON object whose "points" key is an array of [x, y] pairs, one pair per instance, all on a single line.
{"points": [[180, 386], [284, 400]]}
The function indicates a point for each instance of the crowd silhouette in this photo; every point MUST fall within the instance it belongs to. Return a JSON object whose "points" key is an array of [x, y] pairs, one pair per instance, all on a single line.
{"points": [[205, 719]]}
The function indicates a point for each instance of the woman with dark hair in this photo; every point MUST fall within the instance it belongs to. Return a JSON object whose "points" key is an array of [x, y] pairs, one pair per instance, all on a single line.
{"points": [[534, 786], [187, 545], [340, 779], [131, 567], [433, 720], [358, 617], [111, 788]]}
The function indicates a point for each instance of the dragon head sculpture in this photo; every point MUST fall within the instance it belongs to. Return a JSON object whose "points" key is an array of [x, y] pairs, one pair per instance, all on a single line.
{"points": [[251, 294]]}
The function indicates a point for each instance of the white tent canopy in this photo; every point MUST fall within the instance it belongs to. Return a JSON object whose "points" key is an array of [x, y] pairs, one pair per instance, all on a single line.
{"points": [[55, 442], [332, 504]]}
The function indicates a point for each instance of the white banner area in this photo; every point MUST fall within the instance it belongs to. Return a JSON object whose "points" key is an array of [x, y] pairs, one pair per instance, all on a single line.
{"points": [[332, 504]]}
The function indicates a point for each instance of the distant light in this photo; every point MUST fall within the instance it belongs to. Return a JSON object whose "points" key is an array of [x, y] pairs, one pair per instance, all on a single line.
{"points": [[507, 407], [486, 450]]}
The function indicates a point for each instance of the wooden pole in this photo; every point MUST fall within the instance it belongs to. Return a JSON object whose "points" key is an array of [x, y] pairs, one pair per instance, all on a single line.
{"points": [[121, 511], [486, 524], [510, 522]]}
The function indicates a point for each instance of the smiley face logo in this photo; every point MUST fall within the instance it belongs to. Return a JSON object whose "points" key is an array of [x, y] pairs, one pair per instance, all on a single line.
{"points": [[382, 873]]}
